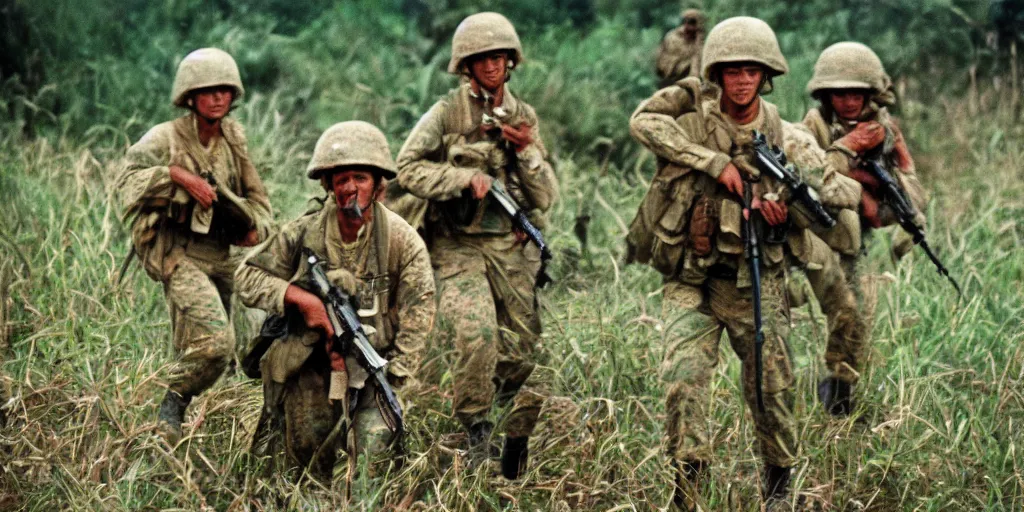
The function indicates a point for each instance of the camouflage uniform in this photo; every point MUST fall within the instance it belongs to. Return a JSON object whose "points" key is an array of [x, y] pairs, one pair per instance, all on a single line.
{"points": [[689, 228], [855, 66], [679, 57], [386, 268], [485, 276], [186, 247]]}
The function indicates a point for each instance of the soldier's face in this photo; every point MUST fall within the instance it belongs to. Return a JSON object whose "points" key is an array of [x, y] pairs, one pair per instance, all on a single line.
{"points": [[740, 83], [354, 182], [848, 103], [489, 69], [213, 102]]}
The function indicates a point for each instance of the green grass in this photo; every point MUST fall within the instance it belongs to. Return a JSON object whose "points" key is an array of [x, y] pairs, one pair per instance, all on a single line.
{"points": [[940, 424]]}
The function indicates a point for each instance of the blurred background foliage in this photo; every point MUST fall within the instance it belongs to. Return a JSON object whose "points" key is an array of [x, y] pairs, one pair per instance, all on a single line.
{"points": [[73, 71]]}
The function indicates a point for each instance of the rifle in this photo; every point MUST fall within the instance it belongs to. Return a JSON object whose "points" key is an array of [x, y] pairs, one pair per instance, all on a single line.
{"points": [[522, 222], [348, 332], [752, 251], [892, 195], [772, 161]]}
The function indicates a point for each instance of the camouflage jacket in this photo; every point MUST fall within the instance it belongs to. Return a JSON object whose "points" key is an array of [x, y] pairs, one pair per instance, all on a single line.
{"points": [[395, 288], [827, 129], [451, 143], [683, 125], [164, 216]]}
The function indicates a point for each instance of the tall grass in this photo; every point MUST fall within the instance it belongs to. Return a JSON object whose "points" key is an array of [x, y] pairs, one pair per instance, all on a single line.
{"points": [[941, 403]]}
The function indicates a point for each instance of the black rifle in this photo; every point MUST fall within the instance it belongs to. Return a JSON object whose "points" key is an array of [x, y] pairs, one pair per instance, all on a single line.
{"points": [[522, 222], [772, 161], [348, 333], [752, 251], [892, 195]]}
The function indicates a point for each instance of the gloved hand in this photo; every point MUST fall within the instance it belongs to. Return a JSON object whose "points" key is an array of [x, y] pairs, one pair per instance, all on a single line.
{"points": [[865, 136]]}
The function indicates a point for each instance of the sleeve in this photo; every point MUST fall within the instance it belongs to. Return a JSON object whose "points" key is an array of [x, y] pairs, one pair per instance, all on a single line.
{"points": [[654, 125], [535, 172], [144, 179], [421, 166], [414, 296], [256, 195], [802, 149], [263, 277]]}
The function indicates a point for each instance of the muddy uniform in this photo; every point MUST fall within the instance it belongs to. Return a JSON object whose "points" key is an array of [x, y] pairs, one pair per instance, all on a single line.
{"points": [[708, 292], [844, 66], [182, 245], [395, 289], [485, 276], [385, 268]]}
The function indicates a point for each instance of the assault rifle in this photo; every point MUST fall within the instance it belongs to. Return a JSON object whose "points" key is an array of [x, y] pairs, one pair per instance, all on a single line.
{"points": [[892, 194], [349, 333], [522, 222], [752, 251], [772, 161]]}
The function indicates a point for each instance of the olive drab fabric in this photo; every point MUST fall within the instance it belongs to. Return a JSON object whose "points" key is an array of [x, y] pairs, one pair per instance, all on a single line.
{"points": [[709, 292], [352, 143], [743, 39], [206, 67], [192, 258], [484, 32], [679, 57], [161, 213], [486, 277], [852, 65], [388, 270]]}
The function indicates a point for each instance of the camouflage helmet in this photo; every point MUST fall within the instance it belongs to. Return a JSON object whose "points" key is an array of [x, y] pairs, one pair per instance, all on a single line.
{"points": [[352, 143], [743, 39], [206, 67], [848, 65], [483, 32]]}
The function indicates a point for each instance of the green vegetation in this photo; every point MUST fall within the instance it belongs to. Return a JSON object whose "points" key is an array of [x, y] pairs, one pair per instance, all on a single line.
{"points": [[939, 426]]}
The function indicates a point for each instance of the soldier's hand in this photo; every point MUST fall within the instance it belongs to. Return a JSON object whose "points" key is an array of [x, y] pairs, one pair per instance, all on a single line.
{"points": [[519, 136], [311, 308], [869, 209], [774, 212], [730, 177], [480, 184], [252, 238], [198, 188], [865, 136], [865, 178]]}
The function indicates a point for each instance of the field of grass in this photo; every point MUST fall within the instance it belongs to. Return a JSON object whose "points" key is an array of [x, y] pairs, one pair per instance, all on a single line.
{"points": [[940, 417]]}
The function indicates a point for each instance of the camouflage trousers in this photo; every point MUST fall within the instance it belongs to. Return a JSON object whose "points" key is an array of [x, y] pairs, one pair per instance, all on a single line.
{"points": [[298, 419], [198, 295], [834, 284], [488, 308], [695, 318]]}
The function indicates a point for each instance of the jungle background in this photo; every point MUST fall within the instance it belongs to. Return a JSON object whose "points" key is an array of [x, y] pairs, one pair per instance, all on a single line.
{"points": [[940, 417]]}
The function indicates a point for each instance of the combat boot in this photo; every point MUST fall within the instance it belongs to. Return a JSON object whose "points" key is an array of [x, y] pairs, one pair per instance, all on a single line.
{"points": [[480, 444], [835, 397], [172, 414], [688, 476], [514, 455], [776, 484]]}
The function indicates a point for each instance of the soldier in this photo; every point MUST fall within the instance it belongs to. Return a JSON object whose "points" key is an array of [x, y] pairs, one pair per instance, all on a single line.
{"points": [[372, 254], [192, 193], [689, 228], [852, 123], [486, 270], [679, 52]]}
